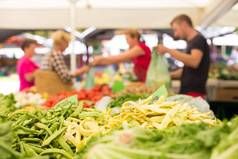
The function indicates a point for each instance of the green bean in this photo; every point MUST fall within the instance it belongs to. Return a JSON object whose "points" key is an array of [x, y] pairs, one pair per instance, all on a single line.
{"points": [[89, 114], [26, 122], [66, 111], [43, 126], [64, 145], [37, 149], [17, 123], [21, 132], [57, 151], [43, 120], [46, 136], [9, 149], [54, 126], [77, 110], [53, 120], [31, 139], [29, 130], [41, 132], [33, 116], [22, 150], [61, 121], [29, 151], [52, 137]]}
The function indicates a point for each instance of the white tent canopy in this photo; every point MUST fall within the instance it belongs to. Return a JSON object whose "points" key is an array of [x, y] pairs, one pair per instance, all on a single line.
{"points": [[51, 14]]}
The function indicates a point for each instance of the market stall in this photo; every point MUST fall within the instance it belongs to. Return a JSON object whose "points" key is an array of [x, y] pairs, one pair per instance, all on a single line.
{"points": [[132, 125], [107, 111]]}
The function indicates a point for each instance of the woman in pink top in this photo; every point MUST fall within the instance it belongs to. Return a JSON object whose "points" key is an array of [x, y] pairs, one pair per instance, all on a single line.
{"points": [[139, 54], [25, 66]]}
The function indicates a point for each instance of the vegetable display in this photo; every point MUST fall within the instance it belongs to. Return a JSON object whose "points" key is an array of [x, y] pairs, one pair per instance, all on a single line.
{"points": [[222, 71], [189, 141], [7, 104], [155, 126], [159, 114]]}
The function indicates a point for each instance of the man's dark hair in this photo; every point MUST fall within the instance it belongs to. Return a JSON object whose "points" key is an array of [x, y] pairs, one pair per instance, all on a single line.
{"points": [[184, 18], [27, 43]]}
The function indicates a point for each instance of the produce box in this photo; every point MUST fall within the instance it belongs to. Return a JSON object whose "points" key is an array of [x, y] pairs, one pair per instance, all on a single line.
{"points": [[227, 94], [224, 91], [50, 83]]}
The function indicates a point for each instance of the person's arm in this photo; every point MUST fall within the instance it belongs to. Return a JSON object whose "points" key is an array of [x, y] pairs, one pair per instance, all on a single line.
{"points": [[125, 56], [29, 77], [176, 74], [29, 69], [83, 69], [192, 60]]}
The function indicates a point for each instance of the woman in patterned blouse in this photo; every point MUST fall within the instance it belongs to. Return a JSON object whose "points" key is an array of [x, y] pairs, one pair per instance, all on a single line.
{"points": [[55, 60]]}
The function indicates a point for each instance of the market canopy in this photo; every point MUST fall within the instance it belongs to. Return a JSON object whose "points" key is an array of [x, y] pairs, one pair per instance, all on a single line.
{"points": [[52, 14]]}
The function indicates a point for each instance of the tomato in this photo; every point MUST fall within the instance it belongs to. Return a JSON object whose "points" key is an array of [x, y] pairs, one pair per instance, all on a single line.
{"points": [[86, 105], [93, 95]]}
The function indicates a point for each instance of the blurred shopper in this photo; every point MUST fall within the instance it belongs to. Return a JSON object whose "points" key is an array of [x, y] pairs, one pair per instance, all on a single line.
{"points": [[138, 53], [25, 66], [196, 57], [55, 60]]}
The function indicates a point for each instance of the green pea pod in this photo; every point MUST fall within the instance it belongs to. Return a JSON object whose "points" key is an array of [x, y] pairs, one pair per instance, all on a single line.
{"points": [[33, 131], [54, 126], [21, 132], [78, 110], [89, 114], [22, 150], [72, 100], [61, 121], [43, 120], [41, 132], [57, 151], [43, 126], [18, 122], [53, 120], [64, 145], [26, 122], [4, 147], [66, 113], [52, 137], [29, 152], [31, 139], [36, 147], [32, 116], [38, 150]]}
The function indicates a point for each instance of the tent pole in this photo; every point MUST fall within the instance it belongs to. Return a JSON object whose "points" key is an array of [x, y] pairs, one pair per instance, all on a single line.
{"points": [[73, 60]]}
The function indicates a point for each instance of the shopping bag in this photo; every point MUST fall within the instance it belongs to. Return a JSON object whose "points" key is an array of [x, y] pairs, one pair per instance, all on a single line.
{"points": [[158, 73], [89, 83]]}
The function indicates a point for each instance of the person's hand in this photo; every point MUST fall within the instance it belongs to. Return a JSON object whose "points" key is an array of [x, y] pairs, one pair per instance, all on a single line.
{"points": [[85, 68], [161, 49], [97, 60], [80, 71]]}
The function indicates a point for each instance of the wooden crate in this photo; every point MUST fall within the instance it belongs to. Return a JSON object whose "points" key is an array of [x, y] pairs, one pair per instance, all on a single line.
{"points": [[223, 91], [227, 94]]}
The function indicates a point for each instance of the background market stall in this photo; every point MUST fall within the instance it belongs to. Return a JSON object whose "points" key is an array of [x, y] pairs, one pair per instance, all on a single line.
{"points": [[98, 19]]}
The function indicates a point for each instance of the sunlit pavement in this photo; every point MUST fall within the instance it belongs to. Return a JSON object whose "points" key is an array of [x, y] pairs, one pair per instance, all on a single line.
{"points": [[9, 84]]}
